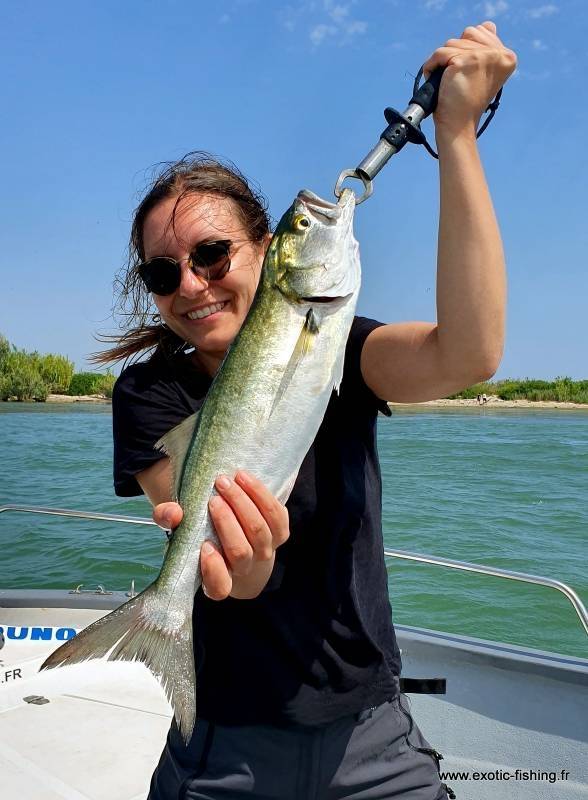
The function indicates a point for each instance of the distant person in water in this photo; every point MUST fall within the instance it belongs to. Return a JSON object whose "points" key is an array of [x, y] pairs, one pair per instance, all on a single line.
{"points": [[297, 661]]}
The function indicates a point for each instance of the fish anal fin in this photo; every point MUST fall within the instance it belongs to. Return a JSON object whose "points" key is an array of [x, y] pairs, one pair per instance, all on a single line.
{"points": [[302, 348], [176, 444]]}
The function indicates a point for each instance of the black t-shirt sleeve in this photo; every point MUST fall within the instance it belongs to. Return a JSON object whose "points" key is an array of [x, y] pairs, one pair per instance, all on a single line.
{"points": [[353, 386], [146, 404]]}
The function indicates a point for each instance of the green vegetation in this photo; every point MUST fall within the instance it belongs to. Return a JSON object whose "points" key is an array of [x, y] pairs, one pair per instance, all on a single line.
{"points": [[31, 376], [92, 383], [561, 390], [56, 371], [20, 377]]}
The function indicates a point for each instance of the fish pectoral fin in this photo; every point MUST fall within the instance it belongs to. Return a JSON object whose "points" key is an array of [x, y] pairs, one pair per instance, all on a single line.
{"points": [[302, 348], [176, 444]]}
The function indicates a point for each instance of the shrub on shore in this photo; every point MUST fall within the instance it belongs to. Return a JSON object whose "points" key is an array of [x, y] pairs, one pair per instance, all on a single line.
{"points": [[19, 374], [561, 390], [32, 376], [473, 391], [20, 378], [56, 371], [84, 383]]}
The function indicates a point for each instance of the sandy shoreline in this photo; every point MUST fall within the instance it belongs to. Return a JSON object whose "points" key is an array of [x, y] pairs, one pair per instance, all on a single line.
{"points": [[76, 398], [494, 402]]}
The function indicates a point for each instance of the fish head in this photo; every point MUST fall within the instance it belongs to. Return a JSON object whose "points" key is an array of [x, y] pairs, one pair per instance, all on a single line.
{"points": [[313, 256]]}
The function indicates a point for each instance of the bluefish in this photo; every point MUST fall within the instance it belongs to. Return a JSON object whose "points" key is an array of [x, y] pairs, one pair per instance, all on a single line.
{"points": [[261, 414]]}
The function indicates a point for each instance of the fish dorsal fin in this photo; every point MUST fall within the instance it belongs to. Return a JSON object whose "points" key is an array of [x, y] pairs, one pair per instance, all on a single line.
{"points": [[176, 444], [302, 348]]}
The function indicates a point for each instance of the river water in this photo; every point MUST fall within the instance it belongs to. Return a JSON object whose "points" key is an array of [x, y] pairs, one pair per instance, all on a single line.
{"points": [[496, 487]]}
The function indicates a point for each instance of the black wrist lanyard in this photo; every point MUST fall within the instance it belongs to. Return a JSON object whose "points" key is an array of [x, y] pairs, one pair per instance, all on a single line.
{"points": [[491, 108], [402, 128]]}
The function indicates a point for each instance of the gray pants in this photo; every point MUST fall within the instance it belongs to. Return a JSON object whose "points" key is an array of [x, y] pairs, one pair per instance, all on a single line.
{"points": [[374, 755]]}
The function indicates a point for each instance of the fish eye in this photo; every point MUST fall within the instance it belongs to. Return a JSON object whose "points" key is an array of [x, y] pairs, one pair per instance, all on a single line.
{"points": [[300, 222]]}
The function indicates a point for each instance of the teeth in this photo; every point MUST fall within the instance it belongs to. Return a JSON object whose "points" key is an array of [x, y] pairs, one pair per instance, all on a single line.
{"points": [[205, 312]]}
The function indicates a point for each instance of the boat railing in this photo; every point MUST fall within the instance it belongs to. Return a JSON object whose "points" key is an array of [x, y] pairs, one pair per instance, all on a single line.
{"points": [[406, 555], [496, 572], [69, 512]]}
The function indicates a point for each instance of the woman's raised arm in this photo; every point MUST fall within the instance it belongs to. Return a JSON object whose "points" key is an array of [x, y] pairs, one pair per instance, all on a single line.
{"points": [[417, 361]]}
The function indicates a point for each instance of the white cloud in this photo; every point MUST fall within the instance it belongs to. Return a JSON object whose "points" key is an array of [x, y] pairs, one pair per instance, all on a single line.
{"points": [[538, 45], [321, 32], [288, 17], [339, 27], [525, 75], [542, 11], [493, 9], [331, 21], [337, 13], [435, 5], [356, 26]]}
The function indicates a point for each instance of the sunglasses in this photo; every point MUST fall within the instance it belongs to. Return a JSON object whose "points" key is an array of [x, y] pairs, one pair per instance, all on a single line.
{"points": [[209, 260]]}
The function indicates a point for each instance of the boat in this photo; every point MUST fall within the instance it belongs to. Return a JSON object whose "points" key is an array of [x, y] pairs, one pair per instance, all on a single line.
{"points": [[510, 721]]}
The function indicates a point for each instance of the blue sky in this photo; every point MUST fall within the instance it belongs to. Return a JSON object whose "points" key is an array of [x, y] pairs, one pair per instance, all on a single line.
{"points": [[94, 94]]}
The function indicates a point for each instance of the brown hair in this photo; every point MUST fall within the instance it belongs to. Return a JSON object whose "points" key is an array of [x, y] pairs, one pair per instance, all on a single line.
{"points": [[195, 173]]}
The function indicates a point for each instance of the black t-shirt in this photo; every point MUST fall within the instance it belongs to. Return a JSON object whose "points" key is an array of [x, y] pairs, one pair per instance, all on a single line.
{"points": [[318, 643]]}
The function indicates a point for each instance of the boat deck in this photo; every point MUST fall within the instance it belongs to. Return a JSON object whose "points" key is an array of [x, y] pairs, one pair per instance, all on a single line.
{"points": [[100, 734]]}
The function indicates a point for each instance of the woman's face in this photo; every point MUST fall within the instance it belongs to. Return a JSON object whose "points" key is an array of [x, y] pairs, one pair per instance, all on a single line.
{"points": [[200, 218]]}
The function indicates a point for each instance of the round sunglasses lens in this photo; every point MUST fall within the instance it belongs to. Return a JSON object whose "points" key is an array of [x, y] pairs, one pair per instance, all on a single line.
{"points": [[161, 275], [212, 259], [209, 253], [219, 270]]}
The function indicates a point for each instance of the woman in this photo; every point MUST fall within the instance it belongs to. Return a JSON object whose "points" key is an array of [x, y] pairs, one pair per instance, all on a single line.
{"points": [[297, 661]]}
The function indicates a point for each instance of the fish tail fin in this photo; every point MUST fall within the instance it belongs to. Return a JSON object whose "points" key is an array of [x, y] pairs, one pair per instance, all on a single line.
{"points": [[142, 630]]}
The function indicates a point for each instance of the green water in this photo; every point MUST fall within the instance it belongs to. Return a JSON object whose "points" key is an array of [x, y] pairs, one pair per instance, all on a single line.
{"points": [[503, 488]]}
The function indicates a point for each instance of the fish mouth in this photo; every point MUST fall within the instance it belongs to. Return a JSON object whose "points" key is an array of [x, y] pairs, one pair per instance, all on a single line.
{"points": [[321, 209]]}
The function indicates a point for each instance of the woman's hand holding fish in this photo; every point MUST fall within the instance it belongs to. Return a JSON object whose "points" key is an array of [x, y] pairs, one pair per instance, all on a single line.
{"points": [[476, 66], [250, 523]]}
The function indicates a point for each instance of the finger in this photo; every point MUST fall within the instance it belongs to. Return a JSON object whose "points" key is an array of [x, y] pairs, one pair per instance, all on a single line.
{"points": [[478, 34], [249, 515], [462, 44], [491, 39], [167, 515], [216, 577], [274, 513], [442, 57], [237, 550], [489, 30]]}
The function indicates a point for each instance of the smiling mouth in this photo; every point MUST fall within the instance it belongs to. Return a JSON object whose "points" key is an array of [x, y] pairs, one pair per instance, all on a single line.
{"points": [[202, 313]]}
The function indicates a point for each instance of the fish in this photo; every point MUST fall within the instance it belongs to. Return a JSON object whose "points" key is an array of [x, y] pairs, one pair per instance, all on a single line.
{"points": [[261, 414]]}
